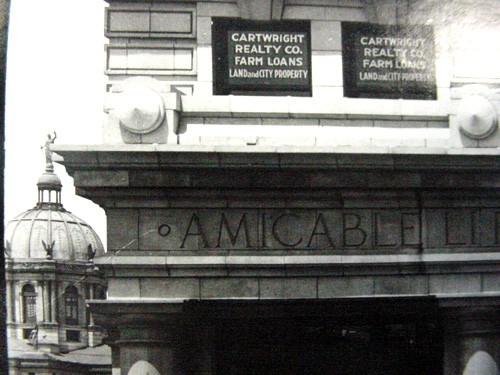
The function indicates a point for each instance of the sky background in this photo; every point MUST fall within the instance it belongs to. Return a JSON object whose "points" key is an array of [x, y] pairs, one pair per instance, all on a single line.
{"points": [[55, 82]]}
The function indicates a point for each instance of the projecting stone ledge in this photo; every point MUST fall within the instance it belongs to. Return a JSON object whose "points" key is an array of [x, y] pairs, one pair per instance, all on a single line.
{"points": [[152, 155], [313, 265], [294, 107]]}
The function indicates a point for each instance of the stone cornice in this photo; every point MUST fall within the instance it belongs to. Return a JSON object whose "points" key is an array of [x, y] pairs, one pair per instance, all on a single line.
{"points": [[289, 265], [164, 156]]}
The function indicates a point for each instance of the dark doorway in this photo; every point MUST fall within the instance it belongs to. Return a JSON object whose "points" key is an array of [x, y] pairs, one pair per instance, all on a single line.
{"points": [[364, 344]]}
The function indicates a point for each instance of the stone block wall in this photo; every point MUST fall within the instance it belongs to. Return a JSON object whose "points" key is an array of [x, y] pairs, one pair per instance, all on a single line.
{"points": [[167, 47]]}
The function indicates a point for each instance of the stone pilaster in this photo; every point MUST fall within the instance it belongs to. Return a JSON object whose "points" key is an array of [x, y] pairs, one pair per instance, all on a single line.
{"points": [[153, 341], [9, 302], [90, 296], [39, 301], [54, 299], [479, 334], [143, 337], [471, 341], [46, 302]]}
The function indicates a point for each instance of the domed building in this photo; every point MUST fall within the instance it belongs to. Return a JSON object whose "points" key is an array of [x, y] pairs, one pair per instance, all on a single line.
{"points": [[50, 274]]}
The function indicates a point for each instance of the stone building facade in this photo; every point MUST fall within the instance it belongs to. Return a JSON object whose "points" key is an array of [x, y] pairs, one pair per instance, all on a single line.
{"points": [[299, 187]]}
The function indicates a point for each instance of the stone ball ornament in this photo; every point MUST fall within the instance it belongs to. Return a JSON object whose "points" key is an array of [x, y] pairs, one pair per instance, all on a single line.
{"points": [[140, 110], [477, 117]]}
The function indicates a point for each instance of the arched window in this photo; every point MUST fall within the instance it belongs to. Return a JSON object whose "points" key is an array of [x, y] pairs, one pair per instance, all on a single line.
{"points": [[71, 305], [29, 303], [101, 294]]}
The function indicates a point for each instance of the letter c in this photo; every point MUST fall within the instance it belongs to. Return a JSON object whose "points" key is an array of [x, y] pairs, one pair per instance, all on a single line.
{"points": [[235, 37], [277, 237]]}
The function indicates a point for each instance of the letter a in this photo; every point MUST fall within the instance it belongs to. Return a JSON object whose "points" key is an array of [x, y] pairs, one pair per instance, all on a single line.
{"points": [[199, 231], [323, 233]]}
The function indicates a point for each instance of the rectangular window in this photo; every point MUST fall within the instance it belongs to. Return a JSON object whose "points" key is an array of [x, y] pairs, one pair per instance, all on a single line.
{"points": [[27, 333], [72, 336]]}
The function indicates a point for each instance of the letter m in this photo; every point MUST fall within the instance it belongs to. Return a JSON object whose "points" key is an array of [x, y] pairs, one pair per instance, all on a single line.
{"points": [[224, 223]]}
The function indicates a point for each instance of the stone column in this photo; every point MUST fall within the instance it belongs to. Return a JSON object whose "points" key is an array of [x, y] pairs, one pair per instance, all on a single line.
{"points": [[479, 341], [113, 336], [46, 302], [54, 296], [147, 343], [9, 302], [91, 296], [40, 315]]}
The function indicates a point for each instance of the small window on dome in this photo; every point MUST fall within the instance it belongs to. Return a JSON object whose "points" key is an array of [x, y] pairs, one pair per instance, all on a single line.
{"points": [[29, 303], [71, 305]]}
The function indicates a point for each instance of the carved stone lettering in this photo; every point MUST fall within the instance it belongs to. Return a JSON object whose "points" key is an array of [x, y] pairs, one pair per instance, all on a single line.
{"points": [[164, 230], [199, 232], [277, 230], [460, 227], [409, 229], [224, 224], [352, 234], [320, 222], [333, 230], [386, 231]]}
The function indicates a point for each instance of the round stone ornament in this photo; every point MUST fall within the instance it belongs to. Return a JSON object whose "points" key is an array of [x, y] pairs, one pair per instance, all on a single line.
{"points": [[140, 110], [477, 117]]}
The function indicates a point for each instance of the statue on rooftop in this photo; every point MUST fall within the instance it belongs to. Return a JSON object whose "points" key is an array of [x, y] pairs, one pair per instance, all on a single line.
{"points": [[48, 153]]}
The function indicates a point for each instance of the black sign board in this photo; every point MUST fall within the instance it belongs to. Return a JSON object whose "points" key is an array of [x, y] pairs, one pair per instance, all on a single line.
{"points": [[261, 58], [391, 62]]}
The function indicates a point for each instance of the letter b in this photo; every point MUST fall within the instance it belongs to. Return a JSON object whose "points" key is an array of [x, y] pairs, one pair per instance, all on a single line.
{"points": [[352, 234]]}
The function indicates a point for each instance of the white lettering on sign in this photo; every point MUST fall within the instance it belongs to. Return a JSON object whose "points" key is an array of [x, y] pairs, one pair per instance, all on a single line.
{"points": [[394, 76], [256, 48], [272, 55], [392, 42], [393, 59], [268, 37], [269, 73]]}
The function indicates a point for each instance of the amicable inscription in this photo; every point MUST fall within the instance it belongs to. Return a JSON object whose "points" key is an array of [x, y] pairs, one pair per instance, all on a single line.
{"points": [[261, 57], [333, 230], [281, 229], [388, 61]]}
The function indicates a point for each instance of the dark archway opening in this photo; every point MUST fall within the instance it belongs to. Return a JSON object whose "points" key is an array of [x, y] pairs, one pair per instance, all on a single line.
{"points": [[328, 347], [341, 337]]}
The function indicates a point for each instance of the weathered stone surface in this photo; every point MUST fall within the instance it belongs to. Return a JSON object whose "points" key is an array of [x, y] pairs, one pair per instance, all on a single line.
{"points": [[331, 287], [101, 178], [229, 288], [124, 288], [458, 283], [401, 285], [186, 288], [214, 9], [123, 229], [325, 36], [288, 288], [491, 282]]}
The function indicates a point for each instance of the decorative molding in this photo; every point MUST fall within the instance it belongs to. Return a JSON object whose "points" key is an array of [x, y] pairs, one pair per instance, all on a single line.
{"points": [[144, 21], [150, 59]]}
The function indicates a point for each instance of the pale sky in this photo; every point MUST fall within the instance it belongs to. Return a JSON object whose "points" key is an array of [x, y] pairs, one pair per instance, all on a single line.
{"points": [[55, 82]]}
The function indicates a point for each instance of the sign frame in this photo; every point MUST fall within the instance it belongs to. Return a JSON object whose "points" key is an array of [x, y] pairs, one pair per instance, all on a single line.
{"points": [[387, 89], [222, 85]]}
